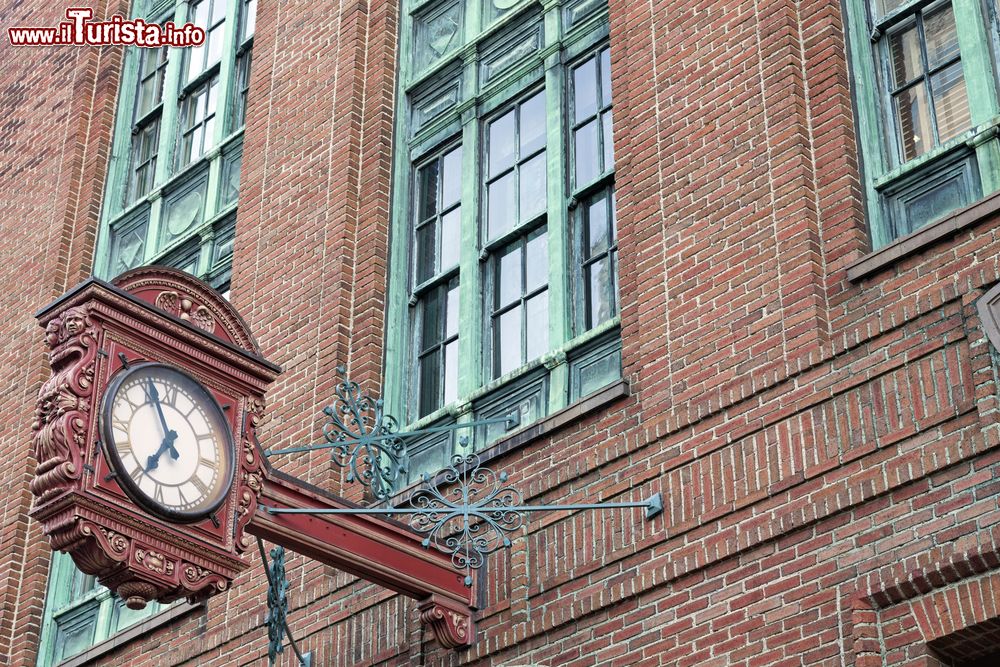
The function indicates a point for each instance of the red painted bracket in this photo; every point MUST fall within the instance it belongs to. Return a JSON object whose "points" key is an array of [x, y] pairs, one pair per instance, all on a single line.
{"points": [[376, 549]]}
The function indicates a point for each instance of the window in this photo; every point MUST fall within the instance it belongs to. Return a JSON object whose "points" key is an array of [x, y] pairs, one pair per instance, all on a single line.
{"points": [[171, 199], [79, 613], [504, 251], [174, 173], [927, 108]]}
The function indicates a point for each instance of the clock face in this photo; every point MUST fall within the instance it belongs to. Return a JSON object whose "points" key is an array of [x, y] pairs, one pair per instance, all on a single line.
{"points": [[168, 441]]}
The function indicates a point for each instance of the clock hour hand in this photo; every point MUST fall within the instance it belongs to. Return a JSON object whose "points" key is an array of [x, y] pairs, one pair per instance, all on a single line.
{"points": [[168, 444]]}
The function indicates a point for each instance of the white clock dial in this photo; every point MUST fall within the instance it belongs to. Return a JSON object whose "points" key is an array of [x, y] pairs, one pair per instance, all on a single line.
{"points": [[168, 441]]}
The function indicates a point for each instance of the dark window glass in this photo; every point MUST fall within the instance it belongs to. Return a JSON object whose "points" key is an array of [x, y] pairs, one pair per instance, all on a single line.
{"points": [[197, 122], [926, 84]]}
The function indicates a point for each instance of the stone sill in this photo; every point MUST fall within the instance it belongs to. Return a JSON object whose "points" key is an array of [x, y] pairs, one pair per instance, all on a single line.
{"points": [[923, 238], [90, 656]]}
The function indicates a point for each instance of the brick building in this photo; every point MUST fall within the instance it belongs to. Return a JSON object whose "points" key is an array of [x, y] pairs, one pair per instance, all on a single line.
{"points": [[756, 294]]}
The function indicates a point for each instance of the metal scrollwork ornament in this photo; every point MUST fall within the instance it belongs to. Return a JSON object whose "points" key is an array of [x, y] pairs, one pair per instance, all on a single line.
{"points": [[277, 603], [471, 518], [364, 439]]}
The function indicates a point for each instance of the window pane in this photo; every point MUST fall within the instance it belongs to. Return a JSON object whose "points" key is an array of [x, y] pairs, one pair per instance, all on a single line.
{"points": [[586, 154], [950, 102], [501, 143], [889, 5], [451, 318], [904, 54], [533, 185], [450, 238], [431, 333], [537, 264], [250, 18], [426, 246], [151, 80], [914, 122], [451, 187], [597, 227], [609, 142], [231, 180], [532, 125], [430, 382], [500, 216], [941, 37], [599, 281], [428, 190], [144, 158], [585, 90], [508, 341], [537, 335], [606, 77], [509, 277]]}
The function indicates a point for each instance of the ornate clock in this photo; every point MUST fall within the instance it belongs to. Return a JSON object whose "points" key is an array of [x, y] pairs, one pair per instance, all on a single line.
{"points": [[148, 471], [144, 435]]}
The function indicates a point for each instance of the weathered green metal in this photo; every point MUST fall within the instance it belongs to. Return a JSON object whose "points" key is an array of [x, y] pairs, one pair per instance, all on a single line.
{"points": [[277, 607], [465, 510], [364, 440]]}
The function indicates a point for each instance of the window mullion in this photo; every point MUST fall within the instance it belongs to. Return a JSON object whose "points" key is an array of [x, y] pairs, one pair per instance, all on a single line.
{"points": [[980, 87], [558, 225], [471, 282], [227, 73], [168, 121], [121, 156], [865, 56], [973, 45], [103, 628], [57, 595]]}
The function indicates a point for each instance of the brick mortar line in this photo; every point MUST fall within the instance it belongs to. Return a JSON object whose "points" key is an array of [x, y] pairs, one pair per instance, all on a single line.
{"points": [[776, 504], [653, 434], [654, 473], [536, 629]]}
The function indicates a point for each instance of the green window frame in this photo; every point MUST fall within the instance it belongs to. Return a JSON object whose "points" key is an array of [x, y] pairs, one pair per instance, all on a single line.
{"points": [[927, 108], [80, 613], [171, 197], [173, 177], [503, 167]]}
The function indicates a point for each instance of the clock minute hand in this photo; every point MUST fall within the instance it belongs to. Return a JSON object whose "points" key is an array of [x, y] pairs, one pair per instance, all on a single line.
{"points": [[155, 395]]}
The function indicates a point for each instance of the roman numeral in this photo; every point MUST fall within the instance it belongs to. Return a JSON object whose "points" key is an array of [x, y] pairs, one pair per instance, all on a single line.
{"points": [[208, 463], [200, 485], [158, 494], [135, 473], [119, 424], [169, 394]]}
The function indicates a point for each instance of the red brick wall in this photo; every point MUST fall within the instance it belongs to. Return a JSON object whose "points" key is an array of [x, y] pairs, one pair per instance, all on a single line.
{"points": [[826, 449], [57, 109]]}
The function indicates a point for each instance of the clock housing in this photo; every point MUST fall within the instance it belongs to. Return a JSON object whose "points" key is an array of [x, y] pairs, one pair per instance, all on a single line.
{"points": [[100, 334]]}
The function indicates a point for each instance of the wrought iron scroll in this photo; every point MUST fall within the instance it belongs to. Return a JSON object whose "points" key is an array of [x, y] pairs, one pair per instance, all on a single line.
{"points": [[465, 510], [277, 607], [363, 438], [472, 517], [365, 441]]}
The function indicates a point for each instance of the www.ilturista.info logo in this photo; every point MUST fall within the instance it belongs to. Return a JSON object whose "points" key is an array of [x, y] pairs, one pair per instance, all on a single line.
{"points": [[80, 30]]}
